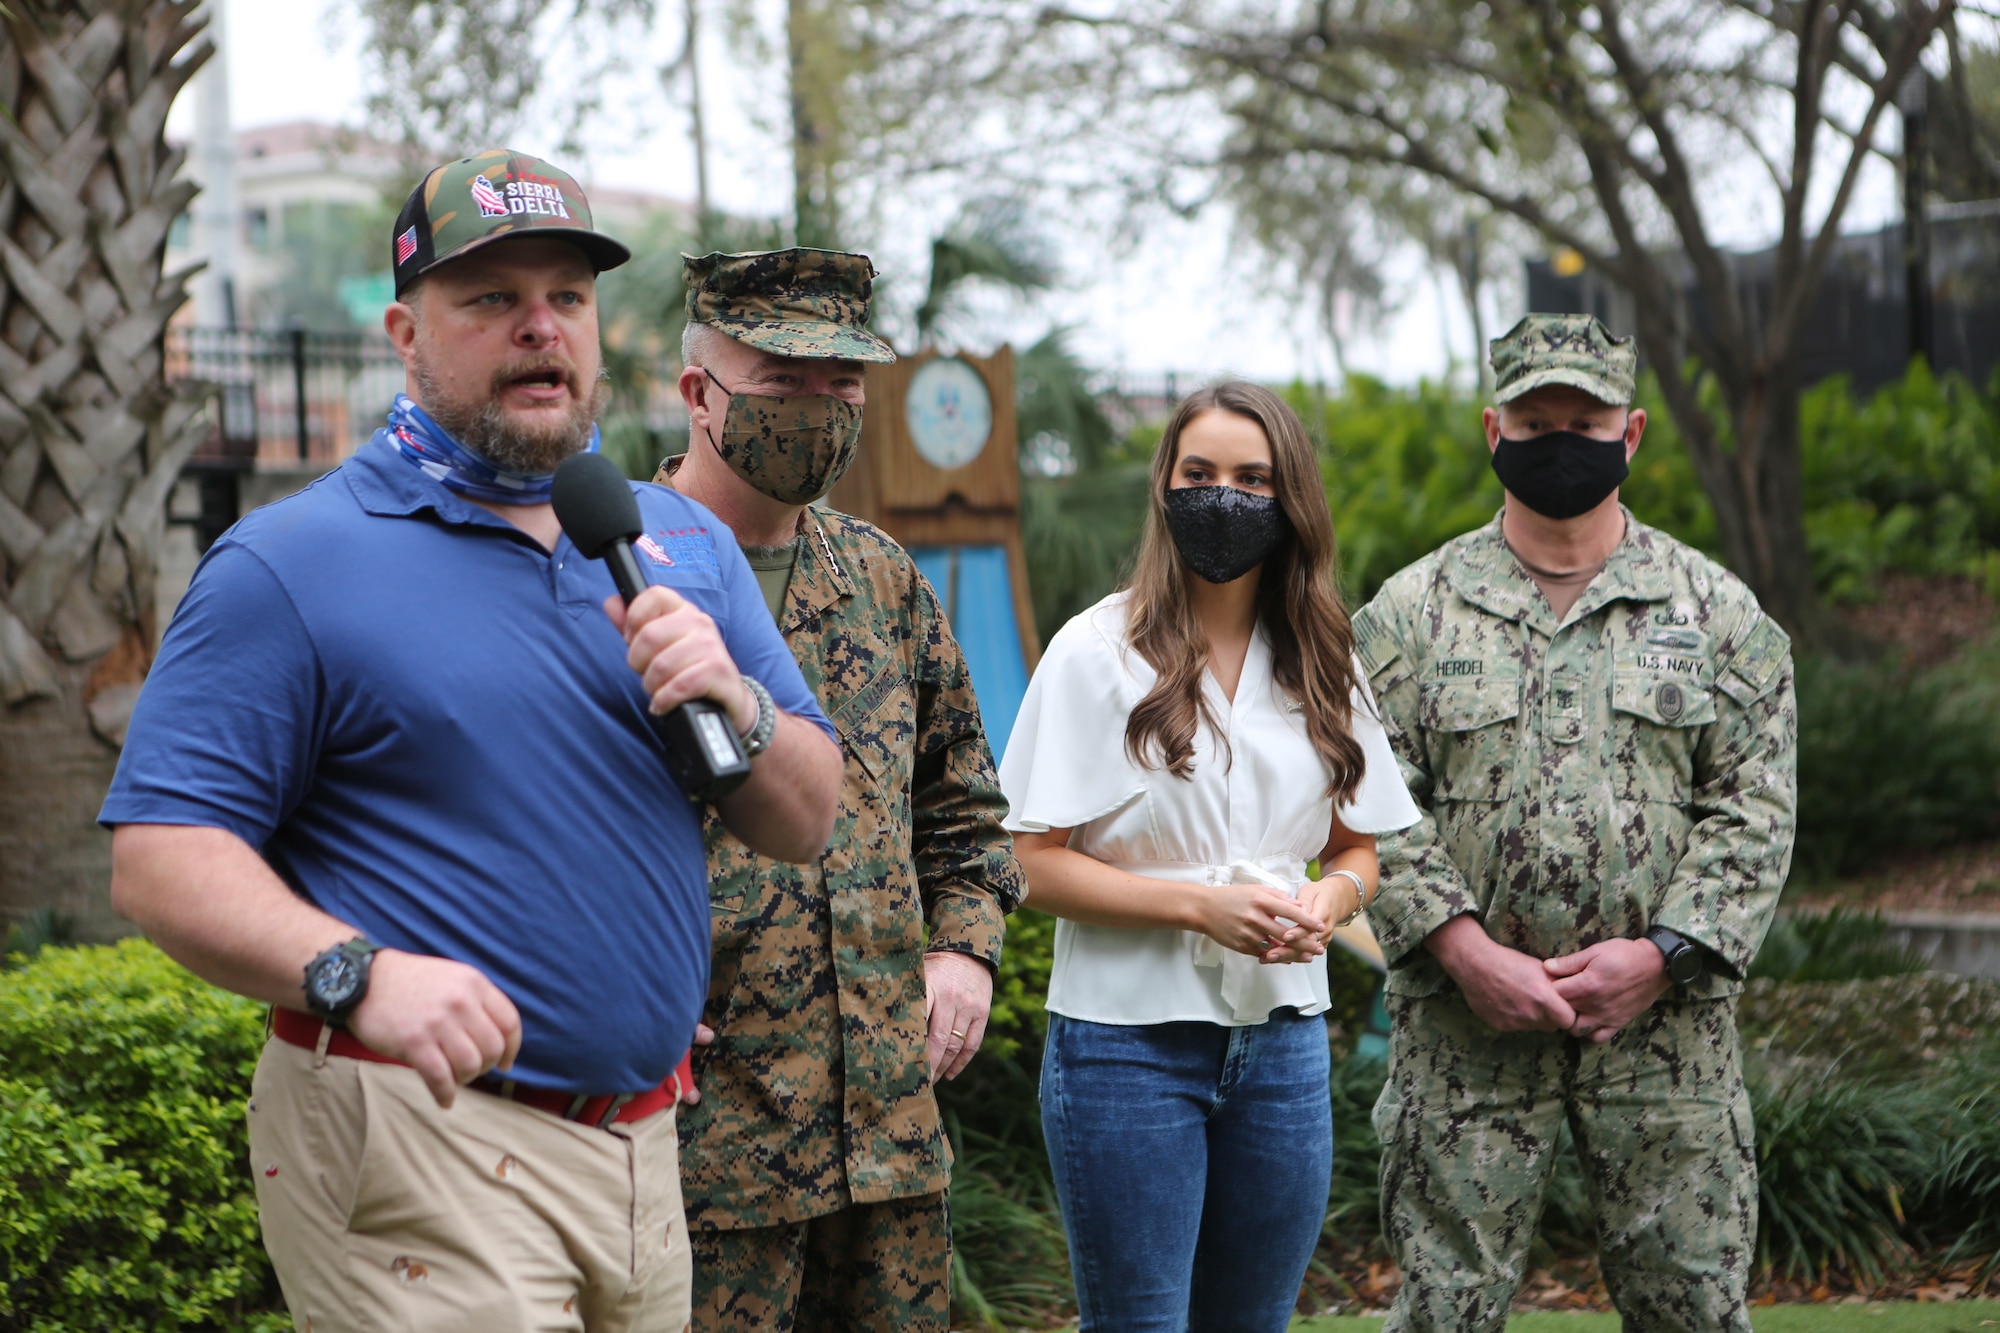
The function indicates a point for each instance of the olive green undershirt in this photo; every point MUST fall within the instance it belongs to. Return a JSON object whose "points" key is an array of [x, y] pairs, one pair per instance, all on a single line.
{"points": [[773, 567]]}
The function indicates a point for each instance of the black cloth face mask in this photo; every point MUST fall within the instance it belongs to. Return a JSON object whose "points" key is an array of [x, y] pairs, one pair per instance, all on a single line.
{"points": [[1223, 533], [1560, 474]]}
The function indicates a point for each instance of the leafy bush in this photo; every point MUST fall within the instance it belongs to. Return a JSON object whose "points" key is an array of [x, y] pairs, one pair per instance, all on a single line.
{"points": [[1908, 479], [125, 1197], [1018, 1021], [1010, 1261], [1837, 945], [1836, 1157], [1893, 758]]}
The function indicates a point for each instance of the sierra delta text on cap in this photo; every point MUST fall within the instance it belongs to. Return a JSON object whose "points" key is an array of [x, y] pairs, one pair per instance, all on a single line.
{"points": [[1573, 350], [797, 302], [492, 196]]}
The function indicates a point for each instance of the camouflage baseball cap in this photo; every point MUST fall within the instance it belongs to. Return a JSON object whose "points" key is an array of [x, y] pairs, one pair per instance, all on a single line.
{"points": [[1574, 350], [491, 196], [791, 302]]}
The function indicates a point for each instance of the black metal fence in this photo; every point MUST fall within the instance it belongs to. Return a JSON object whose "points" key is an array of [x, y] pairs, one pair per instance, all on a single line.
{"points": [[286, 396]]}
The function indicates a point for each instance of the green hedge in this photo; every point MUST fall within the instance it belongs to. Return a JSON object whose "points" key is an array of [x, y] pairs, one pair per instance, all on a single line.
{"points": [[125, 1195], [1907, 479]]}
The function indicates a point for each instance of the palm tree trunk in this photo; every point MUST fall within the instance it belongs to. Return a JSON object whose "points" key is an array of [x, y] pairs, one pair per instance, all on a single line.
{"points": [[91, 439]]}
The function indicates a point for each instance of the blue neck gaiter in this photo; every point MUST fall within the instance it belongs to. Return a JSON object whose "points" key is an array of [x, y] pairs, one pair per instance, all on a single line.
{"points": [[426, 444]]}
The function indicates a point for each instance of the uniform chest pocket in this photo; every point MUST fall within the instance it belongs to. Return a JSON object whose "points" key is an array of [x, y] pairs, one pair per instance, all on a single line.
{"points": [[1659, 716], [878, 727], [1472, 725]]}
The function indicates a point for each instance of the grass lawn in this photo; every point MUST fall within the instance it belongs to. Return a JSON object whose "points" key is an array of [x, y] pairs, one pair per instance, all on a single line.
{"points": [[1901, 1317]]}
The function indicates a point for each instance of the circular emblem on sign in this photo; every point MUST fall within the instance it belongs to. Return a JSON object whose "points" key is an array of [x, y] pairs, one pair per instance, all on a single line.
{"points": [[949, 411], [1670, 699]]}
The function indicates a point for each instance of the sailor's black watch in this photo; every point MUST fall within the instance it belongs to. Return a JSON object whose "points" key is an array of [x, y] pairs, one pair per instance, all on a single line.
{"points": [[1683, 955], [337, 980]]}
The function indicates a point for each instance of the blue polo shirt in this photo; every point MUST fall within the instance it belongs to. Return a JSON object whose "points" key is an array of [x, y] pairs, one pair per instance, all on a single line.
{"points": [[427, 725]]}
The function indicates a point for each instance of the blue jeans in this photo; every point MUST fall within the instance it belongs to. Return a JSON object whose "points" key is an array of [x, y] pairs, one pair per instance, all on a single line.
{"points": [[1192, 1163]]}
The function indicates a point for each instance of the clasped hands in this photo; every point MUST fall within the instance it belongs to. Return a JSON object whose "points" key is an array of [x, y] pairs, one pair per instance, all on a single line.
{"points": [[1257, 920], [1592, 993]]}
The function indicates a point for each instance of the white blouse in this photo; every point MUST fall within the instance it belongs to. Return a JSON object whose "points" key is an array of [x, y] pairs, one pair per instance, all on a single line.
{"points": [[1263, 815]]}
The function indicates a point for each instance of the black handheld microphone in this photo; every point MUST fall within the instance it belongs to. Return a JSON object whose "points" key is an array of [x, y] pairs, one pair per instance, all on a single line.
{"points": [[599, 515]]}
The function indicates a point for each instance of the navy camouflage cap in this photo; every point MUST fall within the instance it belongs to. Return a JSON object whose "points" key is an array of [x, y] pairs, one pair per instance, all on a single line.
{"points": [[491, 196], [1573, 350], [797, 302]]}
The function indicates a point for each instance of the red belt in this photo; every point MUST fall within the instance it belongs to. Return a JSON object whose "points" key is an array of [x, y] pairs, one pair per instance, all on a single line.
{"points": [[289, 1025]]}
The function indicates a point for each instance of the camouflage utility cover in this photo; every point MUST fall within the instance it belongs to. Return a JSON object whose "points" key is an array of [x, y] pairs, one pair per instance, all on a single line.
{"points": [[791, 302], [492, 196], [1634, 765], [816, 1093], [1573, 350]]}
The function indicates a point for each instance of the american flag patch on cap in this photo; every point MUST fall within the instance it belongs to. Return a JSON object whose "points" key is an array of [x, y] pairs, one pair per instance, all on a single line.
{"points": [[406, 245]]}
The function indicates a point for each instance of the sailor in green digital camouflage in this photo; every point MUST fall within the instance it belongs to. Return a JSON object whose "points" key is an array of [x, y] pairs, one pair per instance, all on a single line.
{"points": [[814, 1168], [1599, 724]]}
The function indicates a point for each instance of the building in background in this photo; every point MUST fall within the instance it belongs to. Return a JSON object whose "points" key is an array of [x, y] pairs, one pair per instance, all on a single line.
{"points": [[314, 203], [289, 326], [1858, 326]]}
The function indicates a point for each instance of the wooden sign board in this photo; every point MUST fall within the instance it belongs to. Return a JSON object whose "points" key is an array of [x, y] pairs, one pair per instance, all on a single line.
{"points": [[938, 464]]}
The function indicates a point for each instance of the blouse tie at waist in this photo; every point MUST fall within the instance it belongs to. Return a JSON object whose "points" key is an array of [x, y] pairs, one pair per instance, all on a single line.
{"points": [[1283, 874]]}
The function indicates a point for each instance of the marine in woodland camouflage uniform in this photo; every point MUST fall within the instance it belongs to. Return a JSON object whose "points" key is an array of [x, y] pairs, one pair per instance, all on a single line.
{"points": [[814, 1167], [1629, 766]]}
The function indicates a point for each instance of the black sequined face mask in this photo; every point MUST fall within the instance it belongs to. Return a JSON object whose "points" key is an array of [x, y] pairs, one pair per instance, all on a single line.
{"points": [[1223, 533]]}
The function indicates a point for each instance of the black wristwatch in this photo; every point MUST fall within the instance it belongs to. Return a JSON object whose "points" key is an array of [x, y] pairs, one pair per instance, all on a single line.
{"points": [[337, 980], [1683, 956]]}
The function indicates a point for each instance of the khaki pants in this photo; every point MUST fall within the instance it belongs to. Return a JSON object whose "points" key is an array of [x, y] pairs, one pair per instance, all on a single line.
{"points": [[382, 1211]]}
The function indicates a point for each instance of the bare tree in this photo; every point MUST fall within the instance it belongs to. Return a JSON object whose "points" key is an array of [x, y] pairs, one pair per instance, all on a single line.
{"points": [[90, 438], [453, 76], [1638, 133]]}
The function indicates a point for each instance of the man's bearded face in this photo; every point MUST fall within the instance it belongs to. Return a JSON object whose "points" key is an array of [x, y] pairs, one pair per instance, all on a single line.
{"points": [[531, 441]]}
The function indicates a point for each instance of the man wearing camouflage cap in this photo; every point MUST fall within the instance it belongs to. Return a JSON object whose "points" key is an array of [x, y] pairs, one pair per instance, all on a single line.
{"points": [[393, 774], [1599, 724], [814, 1166]]}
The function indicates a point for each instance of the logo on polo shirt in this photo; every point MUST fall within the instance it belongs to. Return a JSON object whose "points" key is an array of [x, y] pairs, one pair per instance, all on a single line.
{"points": [[688, 547], [653, 551]]}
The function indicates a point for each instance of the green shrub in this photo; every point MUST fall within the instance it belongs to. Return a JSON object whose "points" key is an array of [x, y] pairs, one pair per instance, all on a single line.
{"points": [[1907, 479], [1837, 945], [1018, 1021], [1892, 758], [45, 928], [1836, 1158], [1009, 1259], [125, 1197]]}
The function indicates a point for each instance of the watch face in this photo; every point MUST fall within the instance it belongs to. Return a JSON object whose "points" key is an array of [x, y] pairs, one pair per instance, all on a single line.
{"points": [[335, 980], [949, 412]]}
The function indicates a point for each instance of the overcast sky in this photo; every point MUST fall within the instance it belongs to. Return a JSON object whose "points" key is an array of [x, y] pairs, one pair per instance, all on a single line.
{"points": [[1183, 299]]}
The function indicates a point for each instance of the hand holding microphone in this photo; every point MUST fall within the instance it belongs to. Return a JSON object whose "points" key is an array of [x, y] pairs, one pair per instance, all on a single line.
{"points": [[700, 705]]}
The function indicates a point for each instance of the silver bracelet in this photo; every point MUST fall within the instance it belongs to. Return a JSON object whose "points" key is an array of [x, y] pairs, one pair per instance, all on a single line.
{"points": [[758, 739], [1360, 895]]}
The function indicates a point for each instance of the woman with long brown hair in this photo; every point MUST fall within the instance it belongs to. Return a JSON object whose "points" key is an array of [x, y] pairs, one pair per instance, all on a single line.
{"points": [[1185, 748]]}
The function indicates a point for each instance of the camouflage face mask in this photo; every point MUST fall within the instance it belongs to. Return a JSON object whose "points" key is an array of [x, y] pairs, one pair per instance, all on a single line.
{"points": [[792, 449]]}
